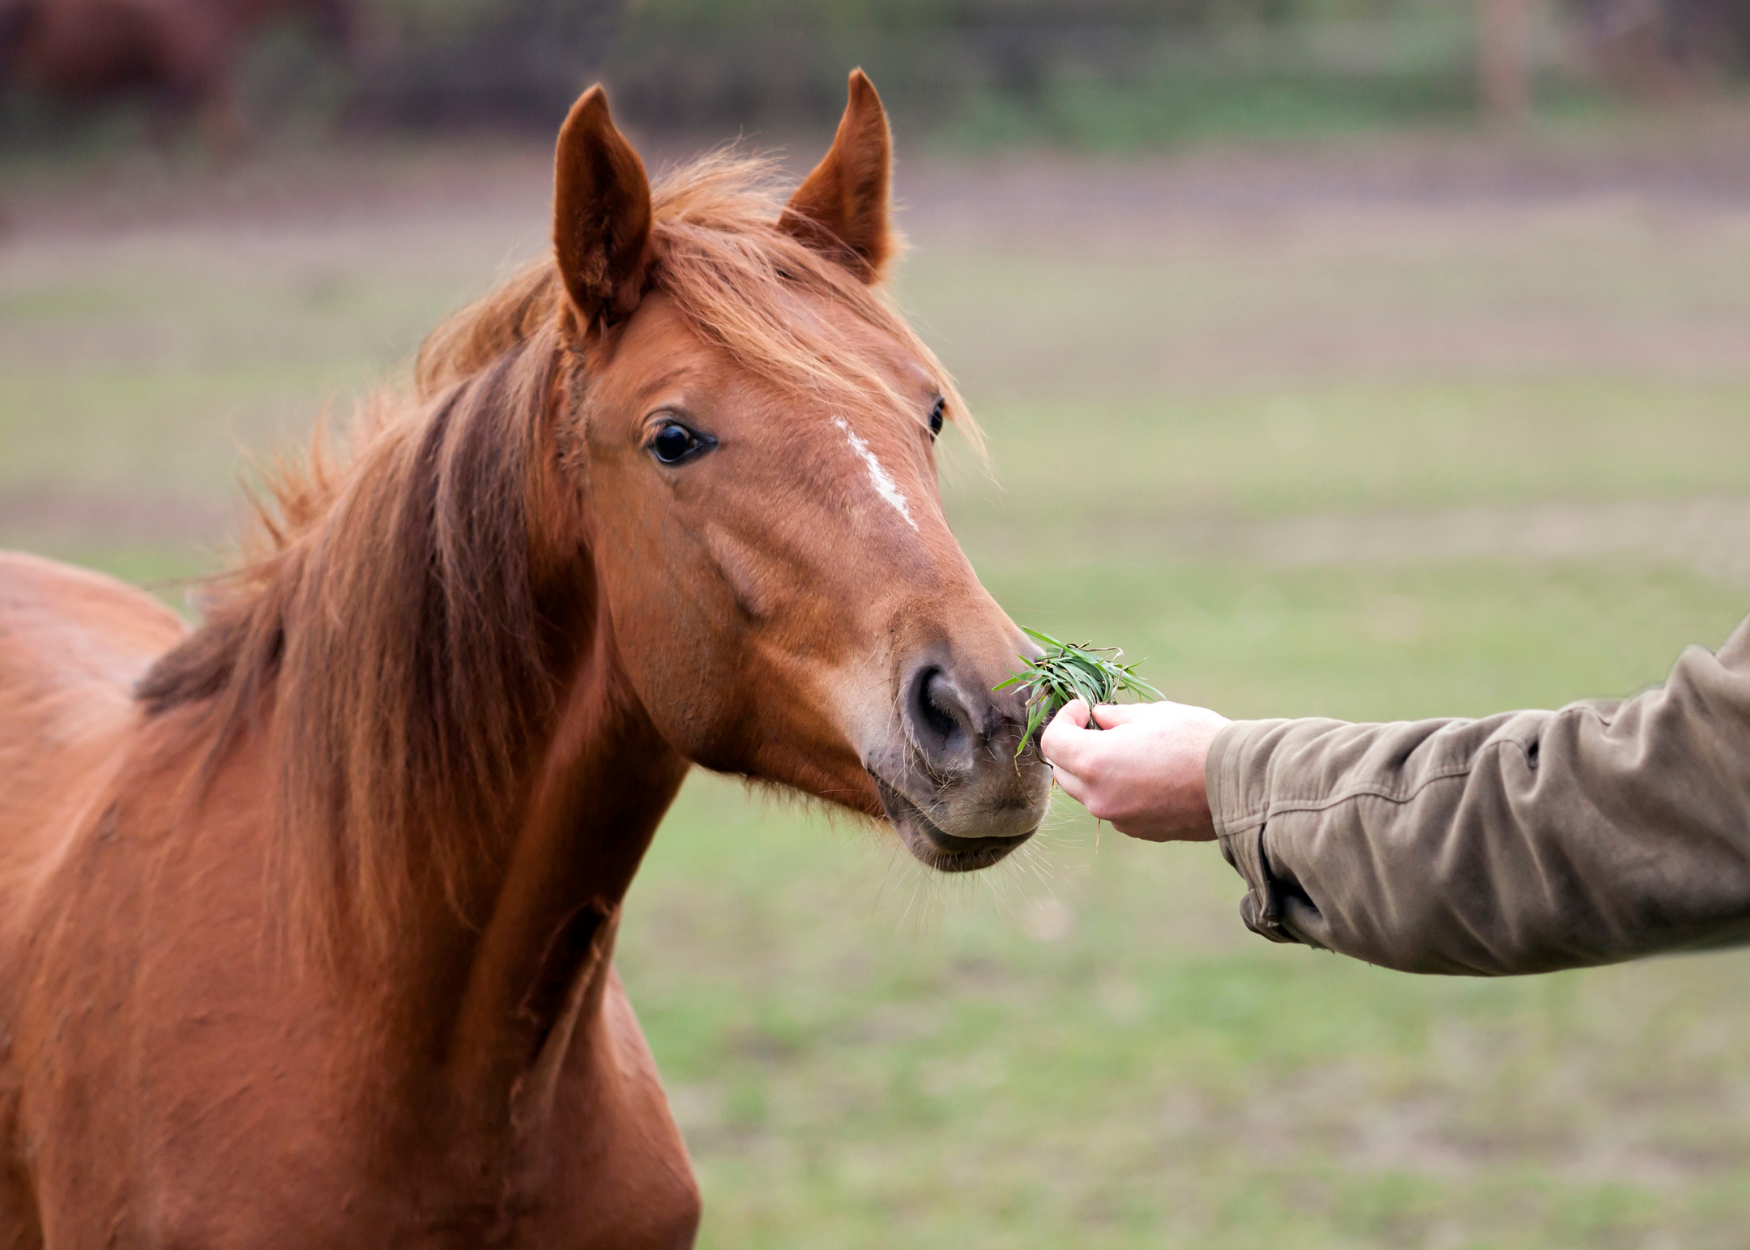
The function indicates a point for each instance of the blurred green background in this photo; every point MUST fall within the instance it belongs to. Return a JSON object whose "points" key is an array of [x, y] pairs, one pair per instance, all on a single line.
{"points": [[1408, 418]]}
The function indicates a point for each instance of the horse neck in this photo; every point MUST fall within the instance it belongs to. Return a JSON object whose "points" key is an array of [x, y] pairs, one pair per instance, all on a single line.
{"points": [[539, 959]]}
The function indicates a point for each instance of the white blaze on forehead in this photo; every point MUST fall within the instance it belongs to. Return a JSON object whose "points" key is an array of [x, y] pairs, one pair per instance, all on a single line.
{"points": [[883, 482]]}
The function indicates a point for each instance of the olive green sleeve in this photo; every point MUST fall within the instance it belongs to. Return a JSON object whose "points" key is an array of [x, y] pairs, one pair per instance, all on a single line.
{"points": [[1524, 842]]}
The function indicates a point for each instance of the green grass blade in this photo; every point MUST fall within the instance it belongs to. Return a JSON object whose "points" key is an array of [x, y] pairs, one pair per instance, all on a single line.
{"points": [[1069, 671]]}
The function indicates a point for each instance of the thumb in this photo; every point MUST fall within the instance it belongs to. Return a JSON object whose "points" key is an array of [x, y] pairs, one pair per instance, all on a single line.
{"points": [[1060, 742], [1107, 715]]}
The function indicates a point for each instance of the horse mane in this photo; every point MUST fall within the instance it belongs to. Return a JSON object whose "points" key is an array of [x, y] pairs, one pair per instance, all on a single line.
{"points": [[384, 628]]}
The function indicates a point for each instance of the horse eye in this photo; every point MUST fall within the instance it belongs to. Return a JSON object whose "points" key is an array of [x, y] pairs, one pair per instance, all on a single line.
{"points": [[936, 417], [674, 442]]}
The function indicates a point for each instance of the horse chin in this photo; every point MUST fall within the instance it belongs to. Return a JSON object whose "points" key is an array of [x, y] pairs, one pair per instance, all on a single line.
{"points": [[933, 847]]}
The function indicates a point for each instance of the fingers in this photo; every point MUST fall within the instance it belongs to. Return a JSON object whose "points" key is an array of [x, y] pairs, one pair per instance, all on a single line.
{"points": [[1071, 785], [1146, 778]]}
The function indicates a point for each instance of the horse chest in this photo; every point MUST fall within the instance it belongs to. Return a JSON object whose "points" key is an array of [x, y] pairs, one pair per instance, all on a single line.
{"points": [[266, 1162], [189, 1099]]}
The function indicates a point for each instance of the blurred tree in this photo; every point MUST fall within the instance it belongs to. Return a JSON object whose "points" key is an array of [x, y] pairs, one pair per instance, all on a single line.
{"points": [[1503, 58]]}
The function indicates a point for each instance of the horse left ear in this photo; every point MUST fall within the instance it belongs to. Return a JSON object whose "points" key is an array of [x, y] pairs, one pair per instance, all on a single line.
{"points": [[601, 213], [841, 208]]}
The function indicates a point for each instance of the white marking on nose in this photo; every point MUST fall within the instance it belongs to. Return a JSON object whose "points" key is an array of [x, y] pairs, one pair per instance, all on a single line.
{"points": [[884, 485]]}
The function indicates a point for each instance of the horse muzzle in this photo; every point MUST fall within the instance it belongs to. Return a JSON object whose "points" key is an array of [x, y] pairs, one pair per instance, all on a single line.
{"points": [[935, 848], [955, 788]]}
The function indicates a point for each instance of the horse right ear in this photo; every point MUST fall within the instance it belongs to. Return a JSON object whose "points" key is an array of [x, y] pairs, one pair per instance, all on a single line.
{"points": [[841, 209], [601, 213]]}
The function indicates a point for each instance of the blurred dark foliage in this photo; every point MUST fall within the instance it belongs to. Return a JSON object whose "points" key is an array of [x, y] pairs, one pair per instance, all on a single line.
{"points": [[1665, 48], [450, 63], [1091, 73], [1086, 72], [1057, 69]]}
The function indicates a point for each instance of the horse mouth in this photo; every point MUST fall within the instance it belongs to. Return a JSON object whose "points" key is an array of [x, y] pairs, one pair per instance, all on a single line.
{"points": [[936, 849]]}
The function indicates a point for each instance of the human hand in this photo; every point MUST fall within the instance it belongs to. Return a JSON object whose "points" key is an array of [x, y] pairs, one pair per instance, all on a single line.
{"points": [[1142, 770]]}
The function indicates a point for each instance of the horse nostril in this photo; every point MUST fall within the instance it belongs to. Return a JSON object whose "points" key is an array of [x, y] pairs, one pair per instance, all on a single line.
{"points": [[939, 716], [936, 692]]}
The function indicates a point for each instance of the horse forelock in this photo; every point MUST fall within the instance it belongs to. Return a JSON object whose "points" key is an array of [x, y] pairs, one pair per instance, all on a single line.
{"points": [[388, 604]]}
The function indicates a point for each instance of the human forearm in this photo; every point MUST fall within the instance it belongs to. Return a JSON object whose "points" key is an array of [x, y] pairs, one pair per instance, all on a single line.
{"points": [[1521, 843]]}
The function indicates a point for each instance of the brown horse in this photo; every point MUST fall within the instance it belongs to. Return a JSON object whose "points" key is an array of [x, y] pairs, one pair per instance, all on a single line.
{"points": [[306, 940], [179, 53]]}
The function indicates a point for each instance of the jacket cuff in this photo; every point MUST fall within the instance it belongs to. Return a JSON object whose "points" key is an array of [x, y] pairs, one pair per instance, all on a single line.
{"points": [[1236, 777]]}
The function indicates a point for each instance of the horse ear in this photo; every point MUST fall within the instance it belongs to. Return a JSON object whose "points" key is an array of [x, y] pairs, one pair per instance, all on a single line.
{"points": [[841, 208], [601, 213]]}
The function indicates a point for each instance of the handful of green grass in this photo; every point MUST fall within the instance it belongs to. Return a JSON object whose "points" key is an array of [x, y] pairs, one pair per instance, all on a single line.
{"points": [[1068, 671]]}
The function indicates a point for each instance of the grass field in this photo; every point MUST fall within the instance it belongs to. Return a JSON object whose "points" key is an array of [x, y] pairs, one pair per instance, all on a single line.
{"points": [[1379, 455]]}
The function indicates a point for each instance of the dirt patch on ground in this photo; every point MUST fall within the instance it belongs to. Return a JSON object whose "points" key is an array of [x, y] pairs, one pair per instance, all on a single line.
{"points": [[58, 519], [1693, 161], [1701, 165]]}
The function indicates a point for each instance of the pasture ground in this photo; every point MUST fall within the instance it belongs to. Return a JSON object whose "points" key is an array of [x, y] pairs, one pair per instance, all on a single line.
{"points": [[1430, 426]]}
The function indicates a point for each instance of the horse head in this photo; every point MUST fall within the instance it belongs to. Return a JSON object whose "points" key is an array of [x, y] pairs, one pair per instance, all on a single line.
{"points": [[746, 432]]}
